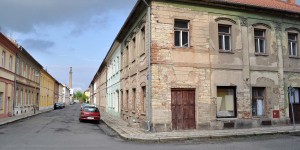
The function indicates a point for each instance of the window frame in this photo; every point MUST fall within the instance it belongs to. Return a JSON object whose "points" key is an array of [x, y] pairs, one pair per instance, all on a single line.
{"points": [[290, 44], [10, 62], [133, 99], [223, 34], [234, 88], [3, 57], [259, 38], [291, 100], [1, 101], [143, 98], [255, 98], [181, 30]]}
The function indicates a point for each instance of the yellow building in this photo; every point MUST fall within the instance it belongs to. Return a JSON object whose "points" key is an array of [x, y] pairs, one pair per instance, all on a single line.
{"points": [[88, 94], [46, 90], [8, 52]]}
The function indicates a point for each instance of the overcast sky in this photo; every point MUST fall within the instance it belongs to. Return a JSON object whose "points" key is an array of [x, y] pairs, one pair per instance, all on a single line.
{"points": [[64, 33]]}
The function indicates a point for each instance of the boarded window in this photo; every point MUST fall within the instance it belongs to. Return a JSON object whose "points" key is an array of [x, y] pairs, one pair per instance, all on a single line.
{"points": [[258, 94], [226, 102]]}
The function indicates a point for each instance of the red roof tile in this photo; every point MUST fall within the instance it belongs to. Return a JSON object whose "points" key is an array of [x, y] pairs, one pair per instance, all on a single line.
{"points": [[272, 4]]}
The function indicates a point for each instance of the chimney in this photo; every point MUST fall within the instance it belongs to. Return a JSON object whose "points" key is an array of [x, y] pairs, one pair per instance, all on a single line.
{"points": [[70, 78]]}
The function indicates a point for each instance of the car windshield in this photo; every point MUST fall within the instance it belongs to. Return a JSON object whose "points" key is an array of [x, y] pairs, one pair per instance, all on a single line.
{"points": [[91, 109]]}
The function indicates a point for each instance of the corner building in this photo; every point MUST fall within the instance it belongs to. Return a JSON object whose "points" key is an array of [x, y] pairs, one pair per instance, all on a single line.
{"points": [[214, 64]]}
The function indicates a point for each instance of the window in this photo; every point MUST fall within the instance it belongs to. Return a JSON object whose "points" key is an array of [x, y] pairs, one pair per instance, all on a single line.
{"points": [[21, 98], [226, 102], [1, 100], [3, 59], [258, 94], [127, 56], [17, 98], [122, 103], [133, 50], [181, 32], [18, 65], [10, 63], [143, 40], [133, 99], [224, 37], [296, 99], [127, 97], [293, 46], [143, 98], [260, 41]]}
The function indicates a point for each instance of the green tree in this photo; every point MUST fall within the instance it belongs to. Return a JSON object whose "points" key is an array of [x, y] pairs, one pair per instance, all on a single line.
{"points": [[81, 96]]}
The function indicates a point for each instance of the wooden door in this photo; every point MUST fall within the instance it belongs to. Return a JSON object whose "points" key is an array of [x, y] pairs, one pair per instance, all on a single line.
{"points": [[183, 109], [296, 113]]}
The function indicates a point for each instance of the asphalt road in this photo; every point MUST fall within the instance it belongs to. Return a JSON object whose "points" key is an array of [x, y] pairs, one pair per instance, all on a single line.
{"points": [[61, 130]]}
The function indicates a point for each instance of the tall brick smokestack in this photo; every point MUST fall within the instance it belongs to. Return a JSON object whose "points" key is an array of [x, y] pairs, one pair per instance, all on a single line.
{"points": [[70, 78]]}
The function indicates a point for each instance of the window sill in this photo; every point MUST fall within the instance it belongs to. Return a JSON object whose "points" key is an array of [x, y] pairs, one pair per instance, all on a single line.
{"points": [[261, 54], [143, 114], [179, 47], [133, 112], [225, 51], [294, 57]]}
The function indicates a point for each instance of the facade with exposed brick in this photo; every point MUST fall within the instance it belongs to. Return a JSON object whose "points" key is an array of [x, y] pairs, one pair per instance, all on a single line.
{"points": [[213, 64]]}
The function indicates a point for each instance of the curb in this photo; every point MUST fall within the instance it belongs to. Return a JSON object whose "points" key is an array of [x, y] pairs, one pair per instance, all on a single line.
{"points": [[199, 137]]}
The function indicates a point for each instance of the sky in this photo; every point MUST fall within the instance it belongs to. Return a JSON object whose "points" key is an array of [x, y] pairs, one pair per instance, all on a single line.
{"points": [[61, 34]]}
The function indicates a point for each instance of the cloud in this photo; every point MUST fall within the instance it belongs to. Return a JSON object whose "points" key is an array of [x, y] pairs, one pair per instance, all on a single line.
{"points": [[38, 45], [25, 15]]}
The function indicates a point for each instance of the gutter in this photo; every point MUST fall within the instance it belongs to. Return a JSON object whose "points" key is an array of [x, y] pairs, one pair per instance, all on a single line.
{"points": [[15, 86], [149, 65]]}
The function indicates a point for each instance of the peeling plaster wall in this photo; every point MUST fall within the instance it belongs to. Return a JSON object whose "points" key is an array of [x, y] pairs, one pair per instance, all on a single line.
{"points": [[203, 66]]}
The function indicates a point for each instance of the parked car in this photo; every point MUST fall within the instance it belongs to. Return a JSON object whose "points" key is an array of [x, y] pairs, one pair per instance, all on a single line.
{"points": [[58, 105], [63, 104], [89, 113]]}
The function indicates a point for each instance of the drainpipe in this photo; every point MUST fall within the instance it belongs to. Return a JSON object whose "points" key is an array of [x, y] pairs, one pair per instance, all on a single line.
{"points": [[15, 86], [149, 65]]}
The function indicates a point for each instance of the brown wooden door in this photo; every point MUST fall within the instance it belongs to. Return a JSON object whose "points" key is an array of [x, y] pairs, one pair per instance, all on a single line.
{"points": [[183, 109], [296, 113]]}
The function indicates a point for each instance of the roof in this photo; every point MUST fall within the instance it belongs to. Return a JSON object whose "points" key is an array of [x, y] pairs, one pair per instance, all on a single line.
{"points": [[8, 43], [288, 5]]}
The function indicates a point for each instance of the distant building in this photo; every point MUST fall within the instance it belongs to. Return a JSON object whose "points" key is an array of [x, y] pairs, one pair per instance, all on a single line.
{"points": [[98, 88], [46, 90], [27, 92], [66, 95]]}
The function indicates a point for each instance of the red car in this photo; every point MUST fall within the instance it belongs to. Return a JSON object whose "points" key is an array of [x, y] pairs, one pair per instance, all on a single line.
{"points": [[89, 113]]}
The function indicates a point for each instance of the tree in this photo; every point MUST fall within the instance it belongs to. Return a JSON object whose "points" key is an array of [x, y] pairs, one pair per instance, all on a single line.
{"points": [[81, 96]]}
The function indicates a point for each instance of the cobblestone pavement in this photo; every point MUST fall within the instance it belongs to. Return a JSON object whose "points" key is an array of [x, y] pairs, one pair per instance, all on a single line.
{"points": [[138, 134]]}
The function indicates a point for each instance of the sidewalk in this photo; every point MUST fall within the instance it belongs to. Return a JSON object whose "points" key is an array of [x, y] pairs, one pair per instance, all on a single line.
{"points": [[138, 134], [8, 120]]}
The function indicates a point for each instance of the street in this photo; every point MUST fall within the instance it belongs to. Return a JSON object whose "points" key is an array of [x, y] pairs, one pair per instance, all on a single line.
{"points": [[61, 130]]}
